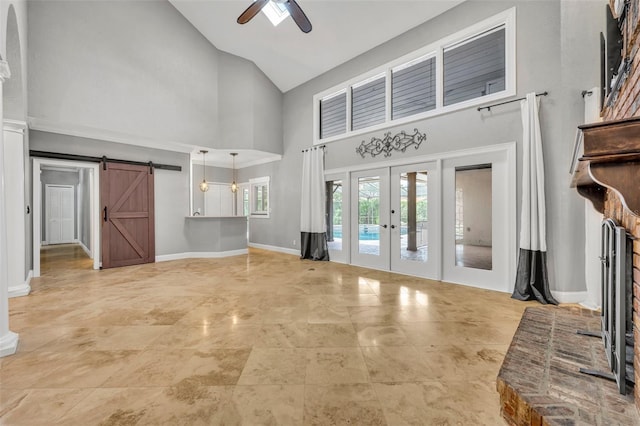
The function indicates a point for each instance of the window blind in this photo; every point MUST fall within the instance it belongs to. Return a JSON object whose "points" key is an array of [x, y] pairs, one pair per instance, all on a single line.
{"points": [[333, 115], [368, 103], [413, 89], [475, 68]]}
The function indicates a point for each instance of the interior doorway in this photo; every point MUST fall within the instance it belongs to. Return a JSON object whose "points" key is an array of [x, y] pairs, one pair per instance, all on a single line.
{"points": [[86, 202]]}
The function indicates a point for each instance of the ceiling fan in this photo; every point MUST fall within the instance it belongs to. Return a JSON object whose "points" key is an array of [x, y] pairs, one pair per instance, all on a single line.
{"points": [[294, 10]]}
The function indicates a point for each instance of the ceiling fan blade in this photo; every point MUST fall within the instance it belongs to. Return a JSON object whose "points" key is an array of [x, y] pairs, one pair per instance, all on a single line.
{"points": [[298, 15], [252, 11]]}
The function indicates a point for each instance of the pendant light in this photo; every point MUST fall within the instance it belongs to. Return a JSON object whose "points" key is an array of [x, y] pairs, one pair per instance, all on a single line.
{"points": [[234, 185], [204, 186]]}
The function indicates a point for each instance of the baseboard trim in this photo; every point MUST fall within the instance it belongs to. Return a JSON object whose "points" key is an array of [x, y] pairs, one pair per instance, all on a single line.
{"points": [[23, 289], [86, 249], [200, 255], [8, 344], [569, 296], [275, 248]]}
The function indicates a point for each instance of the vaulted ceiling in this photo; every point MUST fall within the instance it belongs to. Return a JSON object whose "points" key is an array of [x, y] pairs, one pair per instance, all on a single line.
{"points": [[342, 30]]}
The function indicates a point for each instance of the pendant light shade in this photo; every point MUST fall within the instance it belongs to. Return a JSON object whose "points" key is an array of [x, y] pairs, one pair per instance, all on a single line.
{"points": [[234, 185], [204, 186]]}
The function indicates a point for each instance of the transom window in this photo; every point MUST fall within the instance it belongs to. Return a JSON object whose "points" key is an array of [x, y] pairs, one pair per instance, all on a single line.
{"points": [[468, 68]]}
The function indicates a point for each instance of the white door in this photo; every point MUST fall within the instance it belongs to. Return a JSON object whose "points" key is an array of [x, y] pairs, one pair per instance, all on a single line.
{"points": [[414, 230], [60, 214], [476, 230], [370, 229]]}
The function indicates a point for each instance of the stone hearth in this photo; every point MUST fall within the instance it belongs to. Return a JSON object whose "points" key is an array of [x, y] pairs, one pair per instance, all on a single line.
{"points": [[540, 383]]}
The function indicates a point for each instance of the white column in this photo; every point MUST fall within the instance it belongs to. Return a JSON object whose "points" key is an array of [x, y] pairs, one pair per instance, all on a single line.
{"points": [[8, 339]]}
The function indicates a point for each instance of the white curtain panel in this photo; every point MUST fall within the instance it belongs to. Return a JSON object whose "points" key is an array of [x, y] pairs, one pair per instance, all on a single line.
{"points": [[532, 279], [312, 218], [313, 226], [533, 227]]}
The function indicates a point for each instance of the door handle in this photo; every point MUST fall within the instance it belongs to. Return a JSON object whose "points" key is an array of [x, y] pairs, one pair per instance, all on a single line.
{"points": [[384, 226], [105, 213], [393, 227]]}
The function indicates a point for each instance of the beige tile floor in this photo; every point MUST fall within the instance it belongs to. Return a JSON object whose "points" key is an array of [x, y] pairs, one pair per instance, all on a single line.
{"points": [[258, 339]]}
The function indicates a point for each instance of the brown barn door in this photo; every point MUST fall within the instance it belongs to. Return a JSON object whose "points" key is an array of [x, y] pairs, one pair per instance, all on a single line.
{"points": [[126, 193]]}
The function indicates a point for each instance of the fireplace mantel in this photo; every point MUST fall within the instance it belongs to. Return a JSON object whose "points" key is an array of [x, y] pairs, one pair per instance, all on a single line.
{"points": [[610, 160]]}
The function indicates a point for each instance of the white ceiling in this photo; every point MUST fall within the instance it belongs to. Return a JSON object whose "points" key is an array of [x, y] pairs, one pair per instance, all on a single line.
{"points": [[342, 29]]}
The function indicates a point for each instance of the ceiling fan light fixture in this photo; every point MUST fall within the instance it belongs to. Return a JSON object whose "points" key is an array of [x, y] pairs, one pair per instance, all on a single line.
{"points": [[276, 12], [280, 9]]}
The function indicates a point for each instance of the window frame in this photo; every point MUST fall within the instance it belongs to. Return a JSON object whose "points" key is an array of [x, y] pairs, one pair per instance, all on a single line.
{"points": [[506, 18], [255, 183]]}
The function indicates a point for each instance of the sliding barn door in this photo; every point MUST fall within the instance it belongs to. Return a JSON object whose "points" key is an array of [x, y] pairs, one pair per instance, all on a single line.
{"points": [[126, 193]]}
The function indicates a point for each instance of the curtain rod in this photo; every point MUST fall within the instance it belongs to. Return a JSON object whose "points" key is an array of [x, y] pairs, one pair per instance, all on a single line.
{"points": [[315, 147], [73, 157], [488, 107]]}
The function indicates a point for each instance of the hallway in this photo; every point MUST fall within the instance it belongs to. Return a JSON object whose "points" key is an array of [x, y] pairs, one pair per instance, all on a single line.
{"points": [[263, 338]]}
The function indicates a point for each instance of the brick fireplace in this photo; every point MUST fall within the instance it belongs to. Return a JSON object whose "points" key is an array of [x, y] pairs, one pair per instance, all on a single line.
{"points": [[539, 383], [615, 159], [624, 106]]}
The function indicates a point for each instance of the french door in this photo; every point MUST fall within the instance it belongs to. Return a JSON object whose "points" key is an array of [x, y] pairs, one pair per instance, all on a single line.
{"points": [[449, 218], [393, 219], [370, 232], [414, 220]]}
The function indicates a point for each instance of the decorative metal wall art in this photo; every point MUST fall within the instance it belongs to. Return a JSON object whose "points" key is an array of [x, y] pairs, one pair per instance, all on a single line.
{"points": [[388, 143]]}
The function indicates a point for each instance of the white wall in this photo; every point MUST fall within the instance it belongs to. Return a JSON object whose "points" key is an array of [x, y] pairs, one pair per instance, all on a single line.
{"points": [[17, 99], [84, 215], [131, 68], [138, 72]]}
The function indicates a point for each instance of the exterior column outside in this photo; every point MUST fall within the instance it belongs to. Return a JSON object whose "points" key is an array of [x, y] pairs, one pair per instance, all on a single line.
{"points": [[8, 339], [412, 224]]}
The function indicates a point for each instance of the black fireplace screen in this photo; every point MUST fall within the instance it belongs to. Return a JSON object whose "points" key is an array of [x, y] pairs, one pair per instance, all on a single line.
{"points": [[617, 297]]}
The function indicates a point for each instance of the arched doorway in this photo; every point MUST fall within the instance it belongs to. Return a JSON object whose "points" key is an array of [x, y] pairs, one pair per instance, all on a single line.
{"points": [[16, 161], [13, 191]]}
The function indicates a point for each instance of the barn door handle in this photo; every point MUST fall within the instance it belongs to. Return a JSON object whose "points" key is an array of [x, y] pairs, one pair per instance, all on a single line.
{"points": [[105, 213]]}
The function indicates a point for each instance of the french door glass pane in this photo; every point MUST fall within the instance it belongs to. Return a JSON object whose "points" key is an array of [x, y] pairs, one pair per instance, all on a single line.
{"points": [[334, 225], [473, 230], [413, 233], [369, 215]]}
